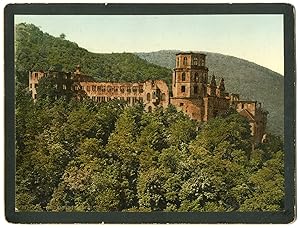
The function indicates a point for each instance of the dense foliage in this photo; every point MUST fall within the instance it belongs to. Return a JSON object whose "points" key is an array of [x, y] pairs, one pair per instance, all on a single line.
{"points": [[85, 156], [250, 80]]}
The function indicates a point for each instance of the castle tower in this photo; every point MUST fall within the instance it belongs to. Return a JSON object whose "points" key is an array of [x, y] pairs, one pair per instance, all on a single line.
{"points": [[189, 75], [189, 81]]}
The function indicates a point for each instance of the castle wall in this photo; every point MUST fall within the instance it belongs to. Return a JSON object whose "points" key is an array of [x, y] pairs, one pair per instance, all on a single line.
{"points": [[192, 107], [151, 93]]}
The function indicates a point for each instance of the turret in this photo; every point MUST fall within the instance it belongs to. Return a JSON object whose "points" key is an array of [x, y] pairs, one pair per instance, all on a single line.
{"points": [[221, 88], [211, 89]]}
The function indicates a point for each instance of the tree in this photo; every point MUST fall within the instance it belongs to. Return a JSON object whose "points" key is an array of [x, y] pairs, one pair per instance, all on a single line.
{"points": [[62, 36], [122, 146]]}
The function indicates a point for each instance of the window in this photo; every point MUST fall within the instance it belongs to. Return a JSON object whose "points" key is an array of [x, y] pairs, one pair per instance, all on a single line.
{"points": [[134, 89], [154, 95], [181, 104], [122, 89], [116, 89], [185, 61], [93, 88], [196, 77], [30, 85], [98, 88], [134, 100], [141, 90], [195, 61], [36, 75], [64, 87], [175, 79], [183, 89], [103, 88], [202, 62], [196, 89], [128, 90], [108, 88], [183, 77], [148, 96]]}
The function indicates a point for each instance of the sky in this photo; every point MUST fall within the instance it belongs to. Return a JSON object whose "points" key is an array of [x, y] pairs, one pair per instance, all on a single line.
{"points": [[257, 38]]}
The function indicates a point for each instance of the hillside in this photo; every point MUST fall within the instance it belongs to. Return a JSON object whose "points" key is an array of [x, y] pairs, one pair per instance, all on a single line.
{"points": [[250, 80], [36, 50]]}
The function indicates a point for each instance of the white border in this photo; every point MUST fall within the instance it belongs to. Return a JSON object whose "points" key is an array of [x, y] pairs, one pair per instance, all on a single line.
{"points": [[3, 222]]}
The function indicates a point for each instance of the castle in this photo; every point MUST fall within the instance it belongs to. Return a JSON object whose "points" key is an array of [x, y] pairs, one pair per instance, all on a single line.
{"points": [[192, 92]]}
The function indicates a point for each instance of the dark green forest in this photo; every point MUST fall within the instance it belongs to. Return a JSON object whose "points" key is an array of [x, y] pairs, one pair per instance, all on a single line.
{"points": [[87, 156]]}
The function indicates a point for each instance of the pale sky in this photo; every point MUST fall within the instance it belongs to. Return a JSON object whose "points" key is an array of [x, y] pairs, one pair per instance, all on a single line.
{"points": [[257, 38]]}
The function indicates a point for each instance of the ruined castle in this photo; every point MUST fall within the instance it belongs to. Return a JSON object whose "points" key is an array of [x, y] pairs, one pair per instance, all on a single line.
{"points": [[192, 92]]}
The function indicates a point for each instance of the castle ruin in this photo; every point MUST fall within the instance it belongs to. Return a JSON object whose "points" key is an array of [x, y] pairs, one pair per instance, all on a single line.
{"points": [[192, 92]]}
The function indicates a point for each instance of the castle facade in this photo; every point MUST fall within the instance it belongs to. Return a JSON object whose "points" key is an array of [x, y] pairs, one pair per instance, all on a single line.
{"points": [[191, 92]]}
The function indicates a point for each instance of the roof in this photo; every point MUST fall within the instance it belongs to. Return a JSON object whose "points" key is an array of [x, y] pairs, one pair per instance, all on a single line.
{"points": [[189, 53]]}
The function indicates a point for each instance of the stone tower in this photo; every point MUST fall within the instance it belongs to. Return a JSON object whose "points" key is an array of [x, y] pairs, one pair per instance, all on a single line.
{"points": [[190, 77]]}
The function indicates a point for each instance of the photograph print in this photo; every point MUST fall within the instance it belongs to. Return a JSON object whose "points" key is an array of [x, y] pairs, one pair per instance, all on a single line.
{"points": [[150, 113]]}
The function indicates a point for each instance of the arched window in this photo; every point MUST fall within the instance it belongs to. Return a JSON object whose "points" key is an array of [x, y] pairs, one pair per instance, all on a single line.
{"points": [[196, 77], [148, 96], [163, 97], [183, 89], [195, 61], [174, 78], [185, 61], [183, 77], [202, 62]]}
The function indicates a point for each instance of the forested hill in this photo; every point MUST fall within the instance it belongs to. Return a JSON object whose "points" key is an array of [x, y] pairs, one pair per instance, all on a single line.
{"points": [[36, 50], [250, 80]]}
